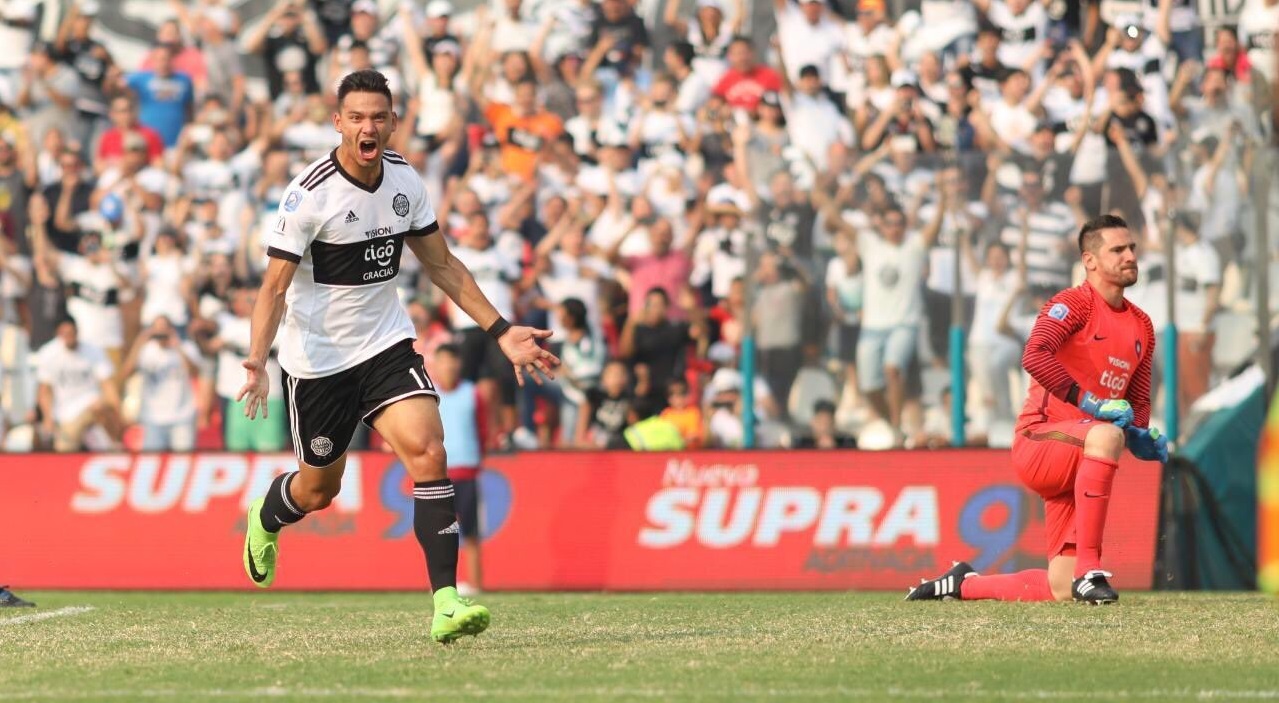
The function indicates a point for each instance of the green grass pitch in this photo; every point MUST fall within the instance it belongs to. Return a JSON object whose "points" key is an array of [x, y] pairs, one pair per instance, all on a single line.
{"points": [[637, 647]]}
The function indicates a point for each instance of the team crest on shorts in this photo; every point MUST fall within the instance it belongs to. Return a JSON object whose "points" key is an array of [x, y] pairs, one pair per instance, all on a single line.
{"points": [[292, 201], [322, 446], [1059, 311], [400, 204]]}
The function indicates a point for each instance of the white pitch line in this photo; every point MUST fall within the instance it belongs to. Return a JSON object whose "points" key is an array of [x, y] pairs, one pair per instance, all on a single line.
{"points": [[538, 692], [35, 617]]}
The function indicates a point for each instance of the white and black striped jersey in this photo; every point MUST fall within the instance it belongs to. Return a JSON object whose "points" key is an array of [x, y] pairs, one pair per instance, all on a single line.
{"points": [[1259, 32], [1022, 34], [346, 238]]}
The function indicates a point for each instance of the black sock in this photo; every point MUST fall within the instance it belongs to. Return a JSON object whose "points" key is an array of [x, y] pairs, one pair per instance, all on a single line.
{"points": [[278, 509], [435, 524]]}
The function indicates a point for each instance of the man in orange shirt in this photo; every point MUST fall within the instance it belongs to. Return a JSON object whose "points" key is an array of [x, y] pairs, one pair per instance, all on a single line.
{"points": [[522, 129]]}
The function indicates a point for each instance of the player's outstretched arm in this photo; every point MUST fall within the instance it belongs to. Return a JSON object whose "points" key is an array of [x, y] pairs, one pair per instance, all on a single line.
{"points": [[267, 311], [519, 343]]}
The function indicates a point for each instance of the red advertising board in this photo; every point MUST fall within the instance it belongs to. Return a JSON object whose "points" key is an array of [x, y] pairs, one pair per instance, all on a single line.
{"points": [[616, 521]]}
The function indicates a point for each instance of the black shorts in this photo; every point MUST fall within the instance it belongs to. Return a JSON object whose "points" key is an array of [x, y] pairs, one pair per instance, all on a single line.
{"points": [[323, 412], [466, 501], [848, 336]]}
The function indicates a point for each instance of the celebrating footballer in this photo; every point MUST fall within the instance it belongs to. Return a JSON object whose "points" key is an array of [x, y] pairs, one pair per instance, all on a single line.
{"points": [[347, 343]]}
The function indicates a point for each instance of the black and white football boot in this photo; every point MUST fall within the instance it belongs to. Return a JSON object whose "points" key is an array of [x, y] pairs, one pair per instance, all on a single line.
{"points": [[1093, 588], [945, 587], [9, 600]]}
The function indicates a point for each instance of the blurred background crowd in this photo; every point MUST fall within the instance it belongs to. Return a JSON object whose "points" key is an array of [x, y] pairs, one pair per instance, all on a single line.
{"points": [[840, 182]]}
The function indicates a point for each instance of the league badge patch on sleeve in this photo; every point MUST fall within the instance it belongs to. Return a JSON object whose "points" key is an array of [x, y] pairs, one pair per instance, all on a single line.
{"points": [[292, 201], [1058, 311]]}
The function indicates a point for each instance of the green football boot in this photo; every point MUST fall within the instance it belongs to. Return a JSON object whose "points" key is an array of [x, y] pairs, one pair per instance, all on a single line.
{"points": [[456, 616], [261, 548]]}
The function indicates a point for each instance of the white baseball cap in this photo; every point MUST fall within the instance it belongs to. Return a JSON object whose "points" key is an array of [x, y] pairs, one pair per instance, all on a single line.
{"points": [[439, 8]]}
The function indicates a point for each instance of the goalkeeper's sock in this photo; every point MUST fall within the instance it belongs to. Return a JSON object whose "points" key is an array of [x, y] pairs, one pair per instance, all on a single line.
{"points": [[1027, 586], [435, 524], [278, 508], [1092, 498]]}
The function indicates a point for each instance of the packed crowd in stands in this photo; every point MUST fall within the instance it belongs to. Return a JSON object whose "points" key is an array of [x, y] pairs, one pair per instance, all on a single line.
{"points": [[829, 183]]}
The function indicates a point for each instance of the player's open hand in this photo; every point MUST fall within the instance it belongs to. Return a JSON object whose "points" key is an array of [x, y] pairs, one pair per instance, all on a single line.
{"points": [[255, 389], [520, 345]]}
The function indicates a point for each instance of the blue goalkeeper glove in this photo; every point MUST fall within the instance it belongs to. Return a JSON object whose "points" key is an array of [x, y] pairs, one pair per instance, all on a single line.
{"points": [[1116, 411], [1147, 444]]}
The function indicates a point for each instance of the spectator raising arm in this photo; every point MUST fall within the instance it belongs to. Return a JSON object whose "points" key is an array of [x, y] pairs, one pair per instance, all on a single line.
{"points": [[1129, 160]]}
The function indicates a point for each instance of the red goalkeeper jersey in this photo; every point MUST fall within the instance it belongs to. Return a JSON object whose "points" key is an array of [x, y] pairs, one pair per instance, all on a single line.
{"points": [[1080, 339]]}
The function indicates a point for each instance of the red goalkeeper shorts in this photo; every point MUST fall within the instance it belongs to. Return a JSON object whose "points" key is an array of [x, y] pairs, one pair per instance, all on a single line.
{"points": [[1046, 457]]}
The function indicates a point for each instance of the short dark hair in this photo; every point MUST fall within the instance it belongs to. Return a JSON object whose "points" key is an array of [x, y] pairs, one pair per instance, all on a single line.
{"points": [[660, 292], [684, 50], [364, 81], [449, 348], [1188, 221], [823, 406], [575, 310], [1090, 233], [1013, 74]]}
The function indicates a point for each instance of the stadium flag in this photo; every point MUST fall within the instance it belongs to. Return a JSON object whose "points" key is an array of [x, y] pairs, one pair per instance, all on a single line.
{"points": [[1268, 504]]}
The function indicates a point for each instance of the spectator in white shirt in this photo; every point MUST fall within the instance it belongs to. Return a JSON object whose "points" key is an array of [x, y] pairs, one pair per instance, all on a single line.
{"points": [[808, 37], [693, 88], [707, 36], [166, 278], [48, 93], [1024, 25], [77, 393], [869, 35], [1197, 299], [815, 124], [844, 294], [1011, 121], [992, 355], [894, 263], [97, 283], [1129, 45], [168, 369]]}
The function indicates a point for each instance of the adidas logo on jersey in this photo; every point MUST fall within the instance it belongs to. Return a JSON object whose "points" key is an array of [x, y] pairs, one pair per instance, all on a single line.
{"points": [[350, 217]]}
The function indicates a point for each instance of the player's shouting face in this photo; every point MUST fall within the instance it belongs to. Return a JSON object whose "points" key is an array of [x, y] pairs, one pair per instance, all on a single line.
{"points": [[366, 122], [1111, 255]]}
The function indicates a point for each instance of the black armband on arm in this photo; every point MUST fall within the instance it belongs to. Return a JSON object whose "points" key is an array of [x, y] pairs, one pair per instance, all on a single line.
{"points": [[499, 327]]}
